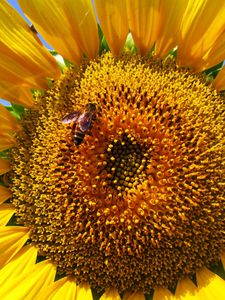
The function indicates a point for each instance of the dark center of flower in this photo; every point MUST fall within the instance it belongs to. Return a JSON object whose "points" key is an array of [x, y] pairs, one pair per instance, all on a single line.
{"points": [[140, 201], [126, 162]]}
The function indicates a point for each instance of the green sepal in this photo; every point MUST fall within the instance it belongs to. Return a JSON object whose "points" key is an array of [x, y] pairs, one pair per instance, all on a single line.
{"points": [[218, 269], [103, 43], [16, 110], [53, 52], [5, 154], [130, 45], [68, 63], [62, 65], [95, 294], [173, 52], [212, 72], [149, 296]]}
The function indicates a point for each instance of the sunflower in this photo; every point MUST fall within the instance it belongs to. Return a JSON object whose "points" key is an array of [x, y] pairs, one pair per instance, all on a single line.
{"points": [[112, 152]]}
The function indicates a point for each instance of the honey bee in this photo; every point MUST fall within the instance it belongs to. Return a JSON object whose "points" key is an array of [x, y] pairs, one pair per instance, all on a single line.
{"points": [[81, 122]]}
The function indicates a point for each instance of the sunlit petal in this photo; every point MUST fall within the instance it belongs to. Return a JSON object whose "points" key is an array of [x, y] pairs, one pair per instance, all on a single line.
{"points": [[171, 12], [111, 294], [12, 239], [64, 288], [217, 53], [8, 123], [6, 141], [22, 263], [69, 26], [113, 19], [186, 290], [30, 283], [6, 212], [134, 296], [162, 294], [23, 60], [210, 285], [219, 81], [83, 25], [144, 19], [16, 72], [84, 292], [15, 93], [201, 25]]}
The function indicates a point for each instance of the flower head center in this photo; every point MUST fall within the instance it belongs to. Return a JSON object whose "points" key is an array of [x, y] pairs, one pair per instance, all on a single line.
{"points": [[126, 163], [138, 201]]}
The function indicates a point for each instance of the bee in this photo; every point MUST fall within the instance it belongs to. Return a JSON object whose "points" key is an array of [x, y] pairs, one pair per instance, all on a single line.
{"points": [[81, 122]]}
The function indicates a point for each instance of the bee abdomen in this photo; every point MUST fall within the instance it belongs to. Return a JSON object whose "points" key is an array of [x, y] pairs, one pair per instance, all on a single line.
{"points": [[78, 137]]}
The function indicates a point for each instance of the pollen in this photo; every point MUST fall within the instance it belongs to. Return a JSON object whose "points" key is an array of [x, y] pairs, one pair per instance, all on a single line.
{"points": [[139, 203]]}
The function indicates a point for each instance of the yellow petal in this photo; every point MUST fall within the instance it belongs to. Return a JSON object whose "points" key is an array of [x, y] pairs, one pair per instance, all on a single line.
{"points": [[21, 263], [23, 60], [12, 239], [162, 294], [84, 292], [83, 25], [4, 166], [219, 81], [15, 93], [8, 123], [6, 212], [64, 288], [201, 25], [171, 12], [134, 296], [113, 19], [186, 290], [15, 72], [210, 285], [6, 141], [110, 294], [144, 22], [29, 284], [4, 194], [217, 53], [69, 27]]}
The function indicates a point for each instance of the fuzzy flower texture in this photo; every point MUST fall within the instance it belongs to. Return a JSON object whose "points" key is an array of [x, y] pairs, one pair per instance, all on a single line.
{"points": [[112, 152]]}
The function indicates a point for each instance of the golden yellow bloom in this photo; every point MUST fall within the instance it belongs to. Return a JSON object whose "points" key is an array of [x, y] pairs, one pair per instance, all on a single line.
{"points": [[136, 210]]}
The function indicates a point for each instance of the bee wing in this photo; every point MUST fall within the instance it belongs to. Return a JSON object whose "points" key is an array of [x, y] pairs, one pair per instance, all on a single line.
{"points": [[85, 122], [71, 117]]}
